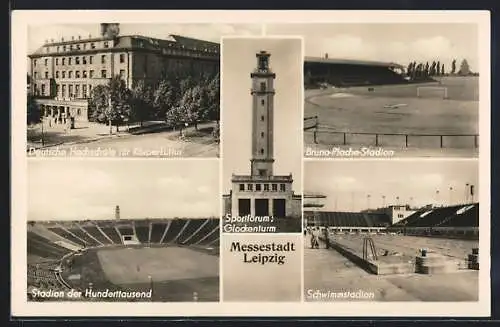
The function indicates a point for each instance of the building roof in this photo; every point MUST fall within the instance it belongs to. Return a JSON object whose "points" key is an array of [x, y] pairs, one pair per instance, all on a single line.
{"points": [[141, 42], [321, 60]]}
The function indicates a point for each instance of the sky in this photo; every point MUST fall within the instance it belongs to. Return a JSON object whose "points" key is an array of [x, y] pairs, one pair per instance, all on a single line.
{"points": [[347, 184], [391, 42], [37, 34], [239, 60], [90, 189]]}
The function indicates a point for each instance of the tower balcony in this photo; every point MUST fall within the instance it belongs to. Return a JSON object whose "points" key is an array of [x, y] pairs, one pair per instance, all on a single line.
{"points": [[274, 178]]}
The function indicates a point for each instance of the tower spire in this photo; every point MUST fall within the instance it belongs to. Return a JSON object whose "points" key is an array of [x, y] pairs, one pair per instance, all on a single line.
{"points": [[262, 117]]}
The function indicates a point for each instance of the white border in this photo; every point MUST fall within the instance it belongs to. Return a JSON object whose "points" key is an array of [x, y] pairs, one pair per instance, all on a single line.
{"points": [[20, 307]]}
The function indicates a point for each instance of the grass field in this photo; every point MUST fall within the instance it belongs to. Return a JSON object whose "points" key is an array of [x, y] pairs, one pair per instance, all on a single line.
{"points": [[176, 272], [328, 270], [396, 109]]}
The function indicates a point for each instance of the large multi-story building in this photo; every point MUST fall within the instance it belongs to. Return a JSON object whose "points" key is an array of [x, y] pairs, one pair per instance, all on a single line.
{"points": [[64, 72]]}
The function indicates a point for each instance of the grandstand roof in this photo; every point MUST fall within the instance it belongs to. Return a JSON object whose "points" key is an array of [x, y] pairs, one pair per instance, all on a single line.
{"points": [[321, 60]]}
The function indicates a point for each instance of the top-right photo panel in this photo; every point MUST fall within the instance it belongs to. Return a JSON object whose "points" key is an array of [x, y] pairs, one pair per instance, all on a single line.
{"points": [[389, 90]]}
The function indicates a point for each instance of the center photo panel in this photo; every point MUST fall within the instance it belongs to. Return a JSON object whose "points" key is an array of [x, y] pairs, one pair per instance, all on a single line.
{"points": [[262, 100]]}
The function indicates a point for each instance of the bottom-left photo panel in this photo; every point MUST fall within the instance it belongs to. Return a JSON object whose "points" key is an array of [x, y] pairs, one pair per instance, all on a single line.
{"points": [[123, 230]]}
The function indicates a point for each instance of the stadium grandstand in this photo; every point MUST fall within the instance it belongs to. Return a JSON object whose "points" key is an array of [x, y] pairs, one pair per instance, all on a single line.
{"points": [[349, 222], [344, 73], [450, 221], [68, 255], [461, 221]]}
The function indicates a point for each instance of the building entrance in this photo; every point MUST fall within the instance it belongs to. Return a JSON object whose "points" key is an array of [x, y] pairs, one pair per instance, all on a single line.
{"points": [[261, 207], [243, 207], [279, 208]]}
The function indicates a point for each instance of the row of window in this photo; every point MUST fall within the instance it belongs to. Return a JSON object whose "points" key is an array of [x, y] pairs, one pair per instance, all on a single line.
{"points": [[78, 46], [66, 90], [83, 74], [78, 60], [260, 187], [61, 90]]}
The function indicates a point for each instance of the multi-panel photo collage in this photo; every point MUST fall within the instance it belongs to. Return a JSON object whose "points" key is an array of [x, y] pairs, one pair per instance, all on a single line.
{"points": [[326, 167]]}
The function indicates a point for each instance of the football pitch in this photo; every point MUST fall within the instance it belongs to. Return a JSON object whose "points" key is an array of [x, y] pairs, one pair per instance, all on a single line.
{"points": [[174, 274], [395, 109], [136, 265]]}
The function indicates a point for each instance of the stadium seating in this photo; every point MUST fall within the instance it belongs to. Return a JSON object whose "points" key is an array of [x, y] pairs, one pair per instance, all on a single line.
{"points": [[142, 233], [211, 227], [468, 217], [65, 234], [157, 230], [107, 232], [112, 234], [44, 248], [94, 231], [344, 75], [173, 231], [465, 215], [191, 227], [350, 219], [89, 241]]}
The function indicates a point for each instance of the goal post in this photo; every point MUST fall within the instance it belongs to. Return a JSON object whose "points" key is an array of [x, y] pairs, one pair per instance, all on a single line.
{"points": [[432, 92]]}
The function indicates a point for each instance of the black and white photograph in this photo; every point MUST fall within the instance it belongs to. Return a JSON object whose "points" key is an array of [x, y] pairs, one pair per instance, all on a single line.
{"points": [[123, 231], [244, 163], [392, 231], [125, 90], [389, 89], [262, 134]]}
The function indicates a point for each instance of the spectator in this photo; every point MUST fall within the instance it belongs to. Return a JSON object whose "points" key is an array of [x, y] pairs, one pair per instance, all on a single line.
{"points": [[327, 238]]}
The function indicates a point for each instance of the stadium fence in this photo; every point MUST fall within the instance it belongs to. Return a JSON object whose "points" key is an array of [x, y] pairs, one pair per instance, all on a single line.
{"points": [[327, 135]]}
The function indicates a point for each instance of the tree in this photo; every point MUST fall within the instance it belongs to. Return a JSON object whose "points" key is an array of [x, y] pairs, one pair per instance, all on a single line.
{"points": [[33, 114], [409, 69], [438, 68], [175, 117], [432, 69], [142, 102], [213, 89], [418, 72], [414, 70], [426, 69], [120, 98], [111, 103], [453, 66], [97, 101], [163, 98], [442, 69], [464, 68]]}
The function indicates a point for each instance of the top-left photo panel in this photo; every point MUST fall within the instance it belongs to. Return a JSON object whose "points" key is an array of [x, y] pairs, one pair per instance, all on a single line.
{"points": [[125, 90]]}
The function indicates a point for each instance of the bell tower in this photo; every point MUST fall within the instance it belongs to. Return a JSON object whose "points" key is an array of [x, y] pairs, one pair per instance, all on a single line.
{"points": [[262, 117]]}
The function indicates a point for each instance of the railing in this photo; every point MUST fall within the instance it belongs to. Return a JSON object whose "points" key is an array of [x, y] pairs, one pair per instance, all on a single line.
{"points": [[323, 134], [310, 122]]}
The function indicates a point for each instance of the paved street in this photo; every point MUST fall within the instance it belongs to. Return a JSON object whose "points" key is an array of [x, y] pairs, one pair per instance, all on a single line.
{"points": [[94, 140]]}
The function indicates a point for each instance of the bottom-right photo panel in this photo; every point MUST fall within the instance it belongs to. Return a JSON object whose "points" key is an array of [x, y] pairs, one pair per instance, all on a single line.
{"points": [[391, 230]]}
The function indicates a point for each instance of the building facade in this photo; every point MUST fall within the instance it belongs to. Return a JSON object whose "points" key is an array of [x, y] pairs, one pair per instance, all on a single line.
{"points": [[63, 73], [262, 193]]}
